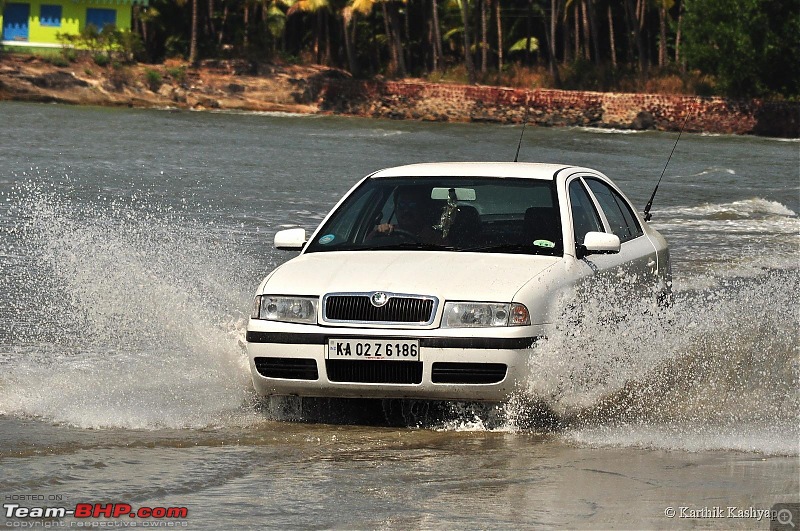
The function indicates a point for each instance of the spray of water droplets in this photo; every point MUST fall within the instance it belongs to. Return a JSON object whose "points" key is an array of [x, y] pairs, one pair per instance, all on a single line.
{"points": [[126, 312]]}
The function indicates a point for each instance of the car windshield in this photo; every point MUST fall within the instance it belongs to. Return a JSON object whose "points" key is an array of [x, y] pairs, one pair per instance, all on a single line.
{"points": [[502, 215]]}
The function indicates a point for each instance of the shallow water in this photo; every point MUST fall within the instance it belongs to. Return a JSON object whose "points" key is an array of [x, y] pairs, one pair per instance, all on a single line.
{"points": [[131, 242]]}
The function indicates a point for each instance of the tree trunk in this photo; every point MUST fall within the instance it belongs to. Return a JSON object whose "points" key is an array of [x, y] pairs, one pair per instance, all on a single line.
{"points": [[636, 33], [246, 41], [594, 32], [467, 44], [408, 60], [565, 47], [611, 41], [662, 41], [678, 38], [193, 38], [221, 36], [326, 27], [641, 10], [550, 33], [484, 36], [499, 36], [348, 42], [586, 32], [398, 43], [396, 64], [528, 32], [210, 29], [317, 38], [438, 52], [577, 50]]}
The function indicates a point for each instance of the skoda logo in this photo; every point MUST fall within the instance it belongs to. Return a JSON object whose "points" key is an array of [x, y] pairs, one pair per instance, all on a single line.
{"points": [[379, 298]]}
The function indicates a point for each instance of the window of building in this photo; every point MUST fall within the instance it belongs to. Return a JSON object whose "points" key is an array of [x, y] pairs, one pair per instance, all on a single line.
{"points": [[100, 18], [50, 15]]}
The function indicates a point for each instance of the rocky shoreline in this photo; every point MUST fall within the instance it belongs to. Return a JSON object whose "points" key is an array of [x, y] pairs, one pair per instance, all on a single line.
{"points": [[237, 85]]}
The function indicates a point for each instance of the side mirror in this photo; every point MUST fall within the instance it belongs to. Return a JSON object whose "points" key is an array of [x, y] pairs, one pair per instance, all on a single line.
{"points": [[290, 239], [599, 243]]}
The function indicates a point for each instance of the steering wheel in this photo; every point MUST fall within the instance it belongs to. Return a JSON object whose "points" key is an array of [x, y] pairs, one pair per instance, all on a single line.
{"points": [[405, 235]]}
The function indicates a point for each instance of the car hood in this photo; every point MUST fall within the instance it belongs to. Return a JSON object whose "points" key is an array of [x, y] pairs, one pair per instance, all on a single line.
{"points": [[447, 275]]}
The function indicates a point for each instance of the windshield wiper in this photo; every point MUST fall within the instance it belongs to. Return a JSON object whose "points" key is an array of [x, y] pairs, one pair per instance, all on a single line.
{"points": [[411, 246], [505, 248]]}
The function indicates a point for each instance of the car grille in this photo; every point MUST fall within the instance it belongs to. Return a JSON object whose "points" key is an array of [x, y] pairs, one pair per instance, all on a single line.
{"points": [[287, 368], [468, 373], [398, 309], [385, 372]]}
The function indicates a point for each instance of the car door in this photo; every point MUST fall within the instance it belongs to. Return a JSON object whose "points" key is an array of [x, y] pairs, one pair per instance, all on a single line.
{"points": [[637, 256], [586, 217], [597, 206]]}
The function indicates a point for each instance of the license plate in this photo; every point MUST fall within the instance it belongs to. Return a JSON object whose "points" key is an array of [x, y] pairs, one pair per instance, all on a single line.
{"points": [[374, 349]]}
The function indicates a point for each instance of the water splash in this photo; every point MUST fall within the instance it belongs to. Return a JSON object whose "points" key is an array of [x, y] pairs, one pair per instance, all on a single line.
{"points": [[130, 313], [127, 313], [719, 369]]}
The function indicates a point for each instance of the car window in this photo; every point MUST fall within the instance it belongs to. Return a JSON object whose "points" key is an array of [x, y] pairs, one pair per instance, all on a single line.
{"points": [[584, 216], [446, 213], [344, 224], [619, 214]]}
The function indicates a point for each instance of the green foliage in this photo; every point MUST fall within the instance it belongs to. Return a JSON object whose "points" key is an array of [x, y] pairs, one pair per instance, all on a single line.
{"points": [[178, 74], [740, 48], [57, 60], [101, 59], [176, 46], [154, 79], [69, 55], [751, 47], [110, 42], [521, 44], [119, 76]]}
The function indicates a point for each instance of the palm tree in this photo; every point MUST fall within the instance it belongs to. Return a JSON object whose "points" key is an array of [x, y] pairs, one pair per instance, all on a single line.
{"points": [[663, 7], [193, 33], [438, 52], [499, 36], [319, 8], [347, 16], [193, 40], [391, 27], [467, 45]]}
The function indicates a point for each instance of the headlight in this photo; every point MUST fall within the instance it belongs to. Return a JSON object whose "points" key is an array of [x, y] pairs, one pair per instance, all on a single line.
{"points": [[287, 309], [484, 314]]}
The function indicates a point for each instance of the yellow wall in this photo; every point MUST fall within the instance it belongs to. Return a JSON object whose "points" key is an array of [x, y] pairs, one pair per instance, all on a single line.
{"points": [[73, 18]]}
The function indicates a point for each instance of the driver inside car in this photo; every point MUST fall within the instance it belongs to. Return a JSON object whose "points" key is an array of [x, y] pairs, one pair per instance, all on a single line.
{"points": [[416, 213]]}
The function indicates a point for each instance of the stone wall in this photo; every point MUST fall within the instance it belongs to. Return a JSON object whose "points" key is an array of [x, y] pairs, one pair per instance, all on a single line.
{"points": [[471, 103]]}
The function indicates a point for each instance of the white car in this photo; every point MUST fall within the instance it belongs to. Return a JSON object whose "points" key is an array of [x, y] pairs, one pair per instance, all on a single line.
{"points": [[434, 281]]}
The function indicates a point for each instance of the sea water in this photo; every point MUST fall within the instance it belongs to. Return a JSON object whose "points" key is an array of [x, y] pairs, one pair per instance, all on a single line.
{"points": [[131, 242]]}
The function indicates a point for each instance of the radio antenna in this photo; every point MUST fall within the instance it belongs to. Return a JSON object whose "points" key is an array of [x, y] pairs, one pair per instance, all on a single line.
{"points": [[524, 123], [647, 214]]}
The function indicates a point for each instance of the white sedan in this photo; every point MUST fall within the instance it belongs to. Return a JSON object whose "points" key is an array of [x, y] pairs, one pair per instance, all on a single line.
{"points": [[435, 281]]}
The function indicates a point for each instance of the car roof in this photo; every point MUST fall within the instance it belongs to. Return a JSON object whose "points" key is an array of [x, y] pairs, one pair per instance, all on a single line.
{"points": [[525, 170]]}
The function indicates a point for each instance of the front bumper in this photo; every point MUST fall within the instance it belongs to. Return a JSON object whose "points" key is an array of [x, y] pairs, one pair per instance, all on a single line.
{"points": [[288, 359]]}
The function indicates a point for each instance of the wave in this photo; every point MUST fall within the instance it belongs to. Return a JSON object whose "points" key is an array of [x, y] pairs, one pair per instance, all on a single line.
{"points": [[744, 209], [609, 130], [371, 133]]}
